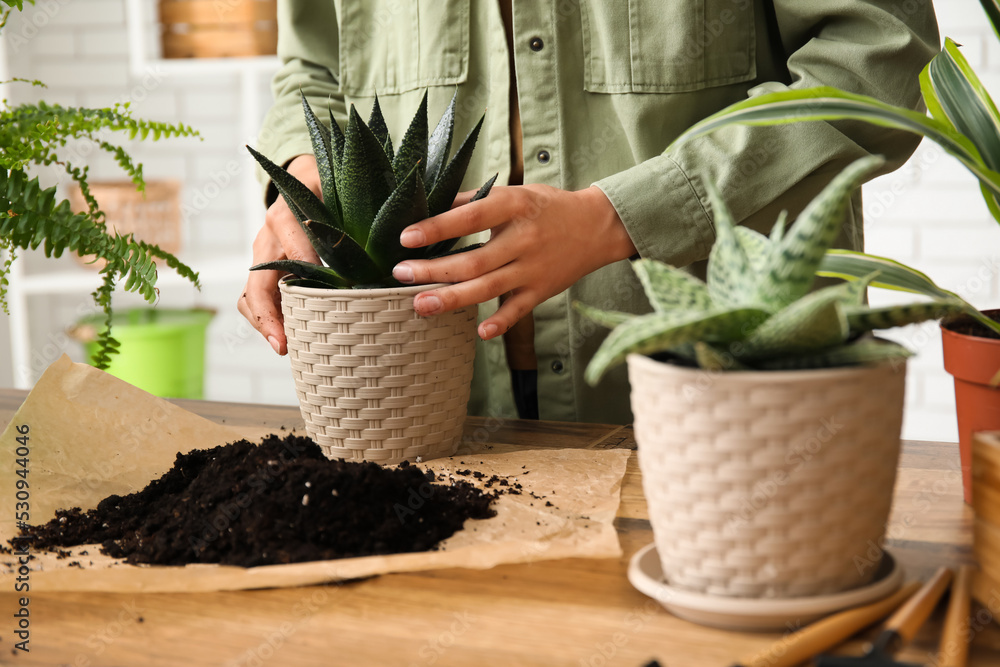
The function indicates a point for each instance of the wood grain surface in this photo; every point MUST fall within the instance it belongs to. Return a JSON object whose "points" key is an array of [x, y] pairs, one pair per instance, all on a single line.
{"points": [[569, 612]]}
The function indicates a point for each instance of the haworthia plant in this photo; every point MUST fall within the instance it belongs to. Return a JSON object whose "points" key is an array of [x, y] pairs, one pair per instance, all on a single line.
{"points": [[756, 310], [370, 193]]}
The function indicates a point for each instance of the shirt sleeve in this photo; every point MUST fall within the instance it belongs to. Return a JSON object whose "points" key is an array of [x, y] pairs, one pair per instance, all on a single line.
{"points": [[866, 47], [308, 47]]}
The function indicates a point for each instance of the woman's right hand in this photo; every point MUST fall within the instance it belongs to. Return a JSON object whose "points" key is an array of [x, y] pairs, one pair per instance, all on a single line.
{"points": [[279, 238]]}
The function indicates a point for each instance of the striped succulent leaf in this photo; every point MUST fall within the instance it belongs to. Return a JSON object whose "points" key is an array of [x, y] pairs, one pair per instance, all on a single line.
{"points": [[655, 332], [756, 311], [369, 194], [795, 259], [670, 289]]}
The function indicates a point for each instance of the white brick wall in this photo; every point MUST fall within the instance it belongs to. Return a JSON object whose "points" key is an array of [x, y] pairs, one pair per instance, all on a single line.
{"points": [[928, 214]]}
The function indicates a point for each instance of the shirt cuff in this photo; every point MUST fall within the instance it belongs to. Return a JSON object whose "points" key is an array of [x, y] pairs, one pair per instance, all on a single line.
{"points": [[663, 211]]}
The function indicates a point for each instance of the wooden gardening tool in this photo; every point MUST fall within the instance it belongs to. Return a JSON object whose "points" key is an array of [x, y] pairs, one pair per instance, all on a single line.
{"points": [[900, 629], [822, 635], [954, 649]]}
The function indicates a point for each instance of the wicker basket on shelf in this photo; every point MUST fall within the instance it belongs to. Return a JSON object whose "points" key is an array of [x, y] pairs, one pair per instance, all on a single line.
{"points": [[153, 216], [219, 28]]}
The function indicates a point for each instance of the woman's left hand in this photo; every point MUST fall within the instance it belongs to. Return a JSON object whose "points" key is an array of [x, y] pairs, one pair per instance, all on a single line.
{"points": [[542, 240]]}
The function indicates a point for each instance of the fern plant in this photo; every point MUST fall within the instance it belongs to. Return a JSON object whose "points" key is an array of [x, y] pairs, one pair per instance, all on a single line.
{"points": [[32, 216], [756, 310]]}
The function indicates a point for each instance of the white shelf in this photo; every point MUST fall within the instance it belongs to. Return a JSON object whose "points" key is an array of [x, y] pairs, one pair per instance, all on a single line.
{"points": [[218, 270]]}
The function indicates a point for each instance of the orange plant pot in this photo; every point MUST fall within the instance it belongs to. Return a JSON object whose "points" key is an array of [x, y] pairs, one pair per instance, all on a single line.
{"points": [[973, 361]]}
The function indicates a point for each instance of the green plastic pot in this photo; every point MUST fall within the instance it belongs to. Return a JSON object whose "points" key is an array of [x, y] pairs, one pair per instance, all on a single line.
{"points": [[162, 351]]}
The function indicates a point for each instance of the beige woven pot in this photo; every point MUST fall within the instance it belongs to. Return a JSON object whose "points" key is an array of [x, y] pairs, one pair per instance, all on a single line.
{"points": [[376, 381], [767, 484]]}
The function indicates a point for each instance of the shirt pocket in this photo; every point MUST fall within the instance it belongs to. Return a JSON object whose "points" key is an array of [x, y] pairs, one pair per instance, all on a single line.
{"points": [[392, 46], [666, 46]]}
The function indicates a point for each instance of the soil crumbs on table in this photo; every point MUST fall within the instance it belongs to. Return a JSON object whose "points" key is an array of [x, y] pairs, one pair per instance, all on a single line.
{"points": [[281, 501]]}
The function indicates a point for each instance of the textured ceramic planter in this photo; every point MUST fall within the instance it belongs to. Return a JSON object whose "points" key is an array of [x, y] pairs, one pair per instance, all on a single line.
{"points": [[767, 484], [376, 381], [973, 361]]}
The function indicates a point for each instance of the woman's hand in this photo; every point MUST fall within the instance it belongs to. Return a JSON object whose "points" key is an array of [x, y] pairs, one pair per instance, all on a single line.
{"points": [[542, 240], [279, 238]]}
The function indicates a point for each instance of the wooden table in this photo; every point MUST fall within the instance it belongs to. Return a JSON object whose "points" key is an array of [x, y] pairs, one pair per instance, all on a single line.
{"points": [[575, 612]]}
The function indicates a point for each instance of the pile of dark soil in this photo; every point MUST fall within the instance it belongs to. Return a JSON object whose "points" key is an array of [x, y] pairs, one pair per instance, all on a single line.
{"points": [[280, 502], [970, 327]]}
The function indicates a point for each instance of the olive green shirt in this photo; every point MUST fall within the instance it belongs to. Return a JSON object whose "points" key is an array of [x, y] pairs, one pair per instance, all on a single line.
{"points": [[603, 89]]}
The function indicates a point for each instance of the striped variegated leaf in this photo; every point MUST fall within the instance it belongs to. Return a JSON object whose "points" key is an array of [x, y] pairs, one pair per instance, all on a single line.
{"points": [[864, 351], [730, 273], [826, 103], [606, 318], [757, 247], [850, 265], [670, 289], [661, 331], [793, 262], [814, 322], [863, 319]]}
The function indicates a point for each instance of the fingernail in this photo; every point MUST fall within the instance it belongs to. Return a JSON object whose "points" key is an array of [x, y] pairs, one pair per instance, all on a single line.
{"points": [[275, 345], [412, 238], [428, 305], [403, 273], [488, 331]]}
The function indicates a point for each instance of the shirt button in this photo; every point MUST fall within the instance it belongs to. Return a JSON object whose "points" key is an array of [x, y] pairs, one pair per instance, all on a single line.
{"points": [[557, 366], [536, 44], [544, 157]]}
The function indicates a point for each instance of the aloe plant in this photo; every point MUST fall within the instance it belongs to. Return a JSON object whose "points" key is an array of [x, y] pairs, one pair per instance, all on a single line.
{"points": [[963, 120], [756, 310], [370, 193]]}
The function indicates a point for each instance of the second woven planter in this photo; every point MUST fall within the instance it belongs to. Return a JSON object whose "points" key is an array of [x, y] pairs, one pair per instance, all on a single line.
{"points": [[772, 484], [375, 380]]}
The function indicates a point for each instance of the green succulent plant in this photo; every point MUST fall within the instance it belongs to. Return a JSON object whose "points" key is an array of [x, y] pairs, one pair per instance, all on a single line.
{"points": [[963, 120], [756, 310], [370, 193]]}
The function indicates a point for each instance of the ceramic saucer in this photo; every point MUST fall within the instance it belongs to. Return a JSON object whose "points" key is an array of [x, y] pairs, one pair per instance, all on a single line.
{"points": [[755, 614]]}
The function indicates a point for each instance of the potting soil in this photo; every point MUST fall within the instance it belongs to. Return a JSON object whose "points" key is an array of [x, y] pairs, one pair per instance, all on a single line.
{"points": [[281, 501]]}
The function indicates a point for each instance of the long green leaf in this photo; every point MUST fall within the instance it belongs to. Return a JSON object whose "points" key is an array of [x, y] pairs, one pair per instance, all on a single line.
{"points": [[864, 319], [305, 270], [413, 148], [406, 205], [794, 260], [606, 318], [366, 178], [449, 182], [439, 144], [825, 103], [660, 331], [992, 9], [299, 197], [731, 280], [319, 135], [671, 289]]}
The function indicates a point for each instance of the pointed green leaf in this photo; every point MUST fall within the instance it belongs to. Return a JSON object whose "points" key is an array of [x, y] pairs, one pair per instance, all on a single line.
{"points": [[730, 275], [670, 289], [413, 148], [337, 140], [366, 179], [319, 135], [655, 332], [812, 323], [449, 182], [299, 197], [406, 205], [442, 247], [439, 144], [864, 351], [992, 9], [606, 318], [313, 272], [863, 318], [778, 230], [794, 261], [376, 122], [825, 103]]}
